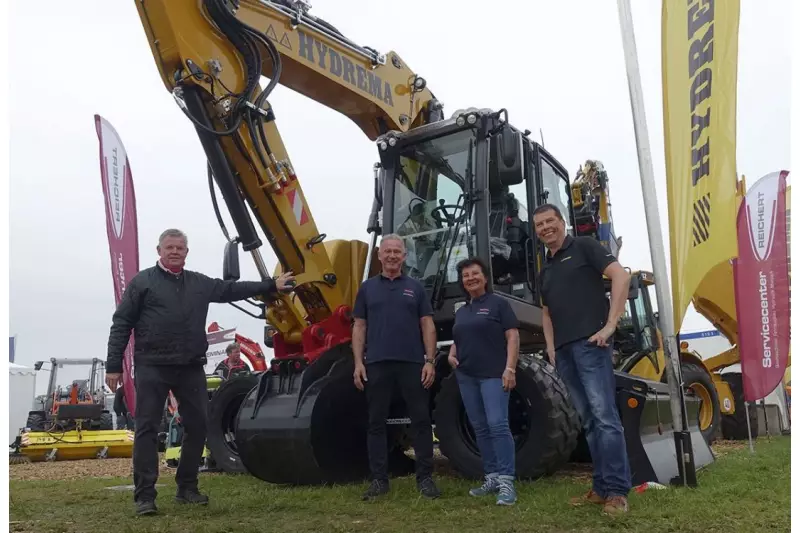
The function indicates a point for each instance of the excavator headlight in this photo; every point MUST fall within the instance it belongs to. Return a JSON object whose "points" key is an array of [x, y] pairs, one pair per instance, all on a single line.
{"points": [[460, 120], [472, 118], [392, 141]]}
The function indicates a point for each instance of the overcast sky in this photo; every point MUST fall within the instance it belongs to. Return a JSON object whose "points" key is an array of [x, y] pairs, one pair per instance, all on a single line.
{"points": [[557, 66]]}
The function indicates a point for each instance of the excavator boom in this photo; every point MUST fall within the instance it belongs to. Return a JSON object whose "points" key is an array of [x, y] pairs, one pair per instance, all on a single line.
{"points": [[211, 55]]}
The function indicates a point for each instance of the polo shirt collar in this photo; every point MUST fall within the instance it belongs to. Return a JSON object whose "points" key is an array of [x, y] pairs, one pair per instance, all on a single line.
{"points": [[568, 240], [480, 299], [400, 277]]}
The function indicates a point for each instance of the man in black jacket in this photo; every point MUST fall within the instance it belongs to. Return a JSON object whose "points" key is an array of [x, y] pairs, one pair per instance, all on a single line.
{"points": [[166, 307]]}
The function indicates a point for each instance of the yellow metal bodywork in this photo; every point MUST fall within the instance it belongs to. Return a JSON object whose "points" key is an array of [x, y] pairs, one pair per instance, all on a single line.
{"points": [[646, 369], [374, 96], [77, 444]]}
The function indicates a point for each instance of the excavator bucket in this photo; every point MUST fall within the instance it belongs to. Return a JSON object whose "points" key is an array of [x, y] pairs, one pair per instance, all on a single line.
{"points": [[646, 416], [305, 428], [309, 427]]}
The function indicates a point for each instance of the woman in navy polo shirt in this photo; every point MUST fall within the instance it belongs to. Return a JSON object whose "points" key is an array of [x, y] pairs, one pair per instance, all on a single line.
{"points": [[484, 355]]}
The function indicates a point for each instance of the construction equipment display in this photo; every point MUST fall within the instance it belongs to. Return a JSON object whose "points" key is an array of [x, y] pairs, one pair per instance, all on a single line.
{"points": [[450, 187], [73, 422]]}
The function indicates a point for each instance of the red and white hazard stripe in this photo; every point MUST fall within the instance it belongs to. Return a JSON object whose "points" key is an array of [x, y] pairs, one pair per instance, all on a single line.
{"points": [[298, 208]]}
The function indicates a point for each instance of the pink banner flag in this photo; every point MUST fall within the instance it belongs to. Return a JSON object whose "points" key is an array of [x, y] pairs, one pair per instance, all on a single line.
{"points": [[761, 279], [122, 229]]}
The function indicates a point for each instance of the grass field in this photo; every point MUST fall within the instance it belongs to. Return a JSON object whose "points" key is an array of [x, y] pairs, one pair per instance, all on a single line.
{"points": [[740, 492]]}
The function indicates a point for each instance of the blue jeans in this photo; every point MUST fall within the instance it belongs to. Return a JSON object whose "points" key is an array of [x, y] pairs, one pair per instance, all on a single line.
{"points": [[588, 373], [486, 404]]}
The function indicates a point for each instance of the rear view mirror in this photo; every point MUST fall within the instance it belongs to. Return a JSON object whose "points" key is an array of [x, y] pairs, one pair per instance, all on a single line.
{"points": [[633, 290], [230, 263], [507, 161]]}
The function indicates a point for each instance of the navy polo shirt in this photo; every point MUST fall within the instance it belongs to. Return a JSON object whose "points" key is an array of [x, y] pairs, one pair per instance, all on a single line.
{"points": [[573, 290], [393, 309], [479, 333]]}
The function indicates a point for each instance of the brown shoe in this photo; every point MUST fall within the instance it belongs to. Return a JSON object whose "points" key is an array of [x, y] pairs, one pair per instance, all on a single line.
{"points": [[589, 497], [616, 505]]}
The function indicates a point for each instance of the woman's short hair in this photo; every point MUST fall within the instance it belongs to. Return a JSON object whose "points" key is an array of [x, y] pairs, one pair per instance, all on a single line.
{"points": [[471, 261]]}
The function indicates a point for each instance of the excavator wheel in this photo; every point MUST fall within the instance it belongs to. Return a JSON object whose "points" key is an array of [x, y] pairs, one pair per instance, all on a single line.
{"points": [[542, 420], [106, 421], [222, 411], [734, 427], [698, 380], [36, 421]]}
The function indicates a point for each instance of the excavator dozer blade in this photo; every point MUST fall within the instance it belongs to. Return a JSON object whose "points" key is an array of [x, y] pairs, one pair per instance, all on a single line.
{"points": [[308, 428], [646, 415], [76, 444]]}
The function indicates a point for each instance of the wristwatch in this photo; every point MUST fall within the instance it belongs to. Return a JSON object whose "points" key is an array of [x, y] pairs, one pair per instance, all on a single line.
{"points": [[429, 360]]}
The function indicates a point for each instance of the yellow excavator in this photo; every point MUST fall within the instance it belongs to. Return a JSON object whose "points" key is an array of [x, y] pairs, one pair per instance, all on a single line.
{"points": [[450, 187]]}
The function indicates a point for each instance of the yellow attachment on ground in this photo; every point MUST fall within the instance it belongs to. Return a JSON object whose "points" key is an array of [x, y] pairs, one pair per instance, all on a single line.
{"points": [[76, 444]]}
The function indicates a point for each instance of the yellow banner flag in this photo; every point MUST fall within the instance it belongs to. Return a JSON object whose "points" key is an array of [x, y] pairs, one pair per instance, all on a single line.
{"points": [[699, 65]]}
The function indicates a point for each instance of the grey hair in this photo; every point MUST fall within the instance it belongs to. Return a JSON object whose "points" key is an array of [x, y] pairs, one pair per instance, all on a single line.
{"points": [[394, 237], [172, 232], [231, 347]]}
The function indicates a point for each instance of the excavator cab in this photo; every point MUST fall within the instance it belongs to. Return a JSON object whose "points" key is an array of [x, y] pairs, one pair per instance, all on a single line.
{"points": [[466, 187]]}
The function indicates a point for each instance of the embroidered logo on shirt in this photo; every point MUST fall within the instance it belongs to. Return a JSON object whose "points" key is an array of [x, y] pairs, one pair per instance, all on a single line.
{"points": [[408, 292], [568, 257], [482, 311]]}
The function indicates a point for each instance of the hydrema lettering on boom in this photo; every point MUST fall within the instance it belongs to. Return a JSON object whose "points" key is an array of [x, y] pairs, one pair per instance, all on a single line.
{"points": [[340, 66]]}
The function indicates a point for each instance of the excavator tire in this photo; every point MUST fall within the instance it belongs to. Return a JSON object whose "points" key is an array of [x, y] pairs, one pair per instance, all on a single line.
{"points": [[222, 411], [106, 422], [734, 427], [36, 421], [543, 423], [698, 380]]}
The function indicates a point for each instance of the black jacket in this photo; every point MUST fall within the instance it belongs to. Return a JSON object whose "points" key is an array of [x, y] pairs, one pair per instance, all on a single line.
{"points": [[167, 314]]}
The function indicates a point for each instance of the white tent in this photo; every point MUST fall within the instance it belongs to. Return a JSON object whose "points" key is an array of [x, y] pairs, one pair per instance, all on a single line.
{"points": [[21, 392]]}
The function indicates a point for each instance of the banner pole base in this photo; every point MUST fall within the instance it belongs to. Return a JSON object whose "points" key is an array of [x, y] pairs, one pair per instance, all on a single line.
{"points": [[749, 431], [687, 472]]}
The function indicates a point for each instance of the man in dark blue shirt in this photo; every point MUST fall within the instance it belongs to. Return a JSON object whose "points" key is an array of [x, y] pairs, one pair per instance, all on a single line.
{"points": [[578, 322], [394, 319]]}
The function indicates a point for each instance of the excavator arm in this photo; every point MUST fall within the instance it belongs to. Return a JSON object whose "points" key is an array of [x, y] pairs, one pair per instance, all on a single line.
{"points": [[211, 55]]}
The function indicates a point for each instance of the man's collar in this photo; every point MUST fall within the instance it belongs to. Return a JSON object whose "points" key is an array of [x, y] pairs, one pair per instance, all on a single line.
{"points": [[400, 276], [168, 271], [568, 239]]}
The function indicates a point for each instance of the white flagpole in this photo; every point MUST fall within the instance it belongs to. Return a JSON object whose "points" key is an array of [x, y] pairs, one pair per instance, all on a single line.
{"points": [[683, 441]]}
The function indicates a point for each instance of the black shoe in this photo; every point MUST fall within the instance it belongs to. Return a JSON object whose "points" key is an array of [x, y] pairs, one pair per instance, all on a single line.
{"points": [[428, 488], [191, 496], [144, 507], [376, 488]]}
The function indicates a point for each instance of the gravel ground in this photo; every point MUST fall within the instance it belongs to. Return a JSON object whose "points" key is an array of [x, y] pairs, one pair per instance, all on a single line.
{"points": [[100, 468], [58, 470]]}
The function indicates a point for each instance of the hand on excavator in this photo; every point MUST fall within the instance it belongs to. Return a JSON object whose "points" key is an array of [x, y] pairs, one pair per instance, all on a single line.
{"points": [[113, 380], [285, 281]]}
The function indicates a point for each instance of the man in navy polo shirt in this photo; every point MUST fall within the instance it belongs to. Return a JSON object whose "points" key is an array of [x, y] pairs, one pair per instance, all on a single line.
{"points": [[579, 323], [393, 317]]}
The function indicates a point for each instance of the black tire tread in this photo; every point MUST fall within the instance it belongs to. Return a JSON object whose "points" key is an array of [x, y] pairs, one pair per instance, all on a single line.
{"points": [[734, 427], [692, 372], [225, 458], [559, 438]]}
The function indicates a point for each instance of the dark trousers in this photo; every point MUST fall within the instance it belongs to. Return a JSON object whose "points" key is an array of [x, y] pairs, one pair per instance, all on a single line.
{"points": [[588, 373], [382, 380], [153, 383]]}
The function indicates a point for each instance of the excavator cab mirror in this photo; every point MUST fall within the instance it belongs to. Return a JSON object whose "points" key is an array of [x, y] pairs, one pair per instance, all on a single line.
{"points": [[506, 166], [633, 290], [230, 263]]}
